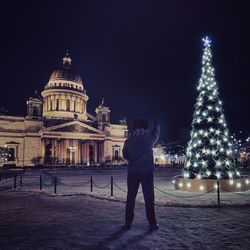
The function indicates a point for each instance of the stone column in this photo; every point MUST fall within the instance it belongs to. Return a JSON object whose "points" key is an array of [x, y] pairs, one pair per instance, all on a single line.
{"points": [[96, 151], [87, 151]]}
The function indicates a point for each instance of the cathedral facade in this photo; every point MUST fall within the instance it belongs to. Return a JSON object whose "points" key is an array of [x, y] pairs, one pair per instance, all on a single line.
{"points": [[58, 130]]}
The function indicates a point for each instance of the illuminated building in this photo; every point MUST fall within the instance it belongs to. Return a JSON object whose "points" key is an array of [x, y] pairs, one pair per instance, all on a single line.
{"points": [[58, 130]]}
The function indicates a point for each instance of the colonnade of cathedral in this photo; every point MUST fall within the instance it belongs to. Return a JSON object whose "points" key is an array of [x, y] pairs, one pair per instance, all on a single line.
{"points": [[72, 151], [64, 102]]}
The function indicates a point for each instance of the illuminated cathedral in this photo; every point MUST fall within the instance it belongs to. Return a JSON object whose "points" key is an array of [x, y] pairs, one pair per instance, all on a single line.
{"points": [[58, 130]]}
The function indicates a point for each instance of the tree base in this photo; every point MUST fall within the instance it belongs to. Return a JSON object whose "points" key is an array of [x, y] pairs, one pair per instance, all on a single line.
{"points": [[210, 185]]}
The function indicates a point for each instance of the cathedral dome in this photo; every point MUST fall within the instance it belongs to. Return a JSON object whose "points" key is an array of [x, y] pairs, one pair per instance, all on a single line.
{"points": [[65, 78], [67, 74]]}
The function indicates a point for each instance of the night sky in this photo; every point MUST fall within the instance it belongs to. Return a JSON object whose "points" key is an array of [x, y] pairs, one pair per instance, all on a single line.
{"points": [[143, 57]]}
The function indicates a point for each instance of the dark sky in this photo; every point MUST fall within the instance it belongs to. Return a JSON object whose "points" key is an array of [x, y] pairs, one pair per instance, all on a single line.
{"points": [[144, 57]]}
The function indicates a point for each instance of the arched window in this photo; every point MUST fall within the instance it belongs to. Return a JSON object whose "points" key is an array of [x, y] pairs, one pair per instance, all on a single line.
{"points": [[35, 111], [57, 104], [68, 105], [11, 154], [51, 105], [104, 118], [116, 155]]}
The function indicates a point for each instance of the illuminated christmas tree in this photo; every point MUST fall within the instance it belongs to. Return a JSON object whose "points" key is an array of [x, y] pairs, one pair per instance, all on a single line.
{"points": [[209, 152]]}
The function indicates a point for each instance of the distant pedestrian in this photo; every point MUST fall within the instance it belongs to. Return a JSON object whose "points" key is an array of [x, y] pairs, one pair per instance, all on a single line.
{"points": [[138, 150]]}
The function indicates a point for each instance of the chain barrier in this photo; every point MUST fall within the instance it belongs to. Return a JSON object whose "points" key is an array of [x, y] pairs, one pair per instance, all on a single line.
{"points": [[125, 191], [237, 193], [103, 186], [49, 180], [77, 185], [184, 197]]}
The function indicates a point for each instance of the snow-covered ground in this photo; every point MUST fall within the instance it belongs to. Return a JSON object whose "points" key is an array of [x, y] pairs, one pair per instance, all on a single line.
{"points": [[31, 220], [75, 218]]}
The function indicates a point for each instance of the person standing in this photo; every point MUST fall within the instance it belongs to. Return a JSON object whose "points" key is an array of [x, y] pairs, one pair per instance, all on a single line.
{"points": [[138, 151]]}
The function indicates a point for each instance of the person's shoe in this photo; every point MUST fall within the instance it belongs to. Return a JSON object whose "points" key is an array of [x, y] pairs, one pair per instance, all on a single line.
{"points": [[127, 226], [153, 227]]}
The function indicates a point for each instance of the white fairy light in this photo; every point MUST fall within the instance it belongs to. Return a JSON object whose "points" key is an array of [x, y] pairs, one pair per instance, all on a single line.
{"points": [[204, 113], [212, 141], [209, 119], [230, 174], [211, 130], [201, 131], [208, 173], [231, 182], [180, 184], [204, 151], [217, 132], [213, 152], [173, 181], [204, 163], [201, 188], [218, 163], [238, 173], [218, 175], [198, 176], [238, 184], [188, 184], [218, 142], [247, 181]]}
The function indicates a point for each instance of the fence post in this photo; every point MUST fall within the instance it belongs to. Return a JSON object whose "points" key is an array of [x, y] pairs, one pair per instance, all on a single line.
{"points": [[14, 181], [41, 182], [91, 184], [112, 186], [218, 192], [55, 183], [21, 180]]}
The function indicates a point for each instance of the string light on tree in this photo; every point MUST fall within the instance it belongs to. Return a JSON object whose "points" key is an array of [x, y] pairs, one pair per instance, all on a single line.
{"points": [[209, 155]]}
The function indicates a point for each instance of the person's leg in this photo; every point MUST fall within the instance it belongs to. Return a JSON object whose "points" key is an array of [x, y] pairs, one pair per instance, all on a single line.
{"points": [[133, 183], [147, 181]]}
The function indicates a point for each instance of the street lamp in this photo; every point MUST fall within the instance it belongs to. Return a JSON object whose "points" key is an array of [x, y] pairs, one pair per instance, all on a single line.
{"points": [[72, 149]]}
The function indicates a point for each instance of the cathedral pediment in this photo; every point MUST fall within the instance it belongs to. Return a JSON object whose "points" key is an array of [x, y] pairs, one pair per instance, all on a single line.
{"points": [[73, 127], [76, 128]]}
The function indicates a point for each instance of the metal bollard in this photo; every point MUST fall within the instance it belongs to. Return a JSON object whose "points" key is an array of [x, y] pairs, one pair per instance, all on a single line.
{"points": [[14, 181], [91, 184], [55, 183], [218, 192], [112, 186], [41, 182]]}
